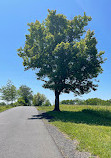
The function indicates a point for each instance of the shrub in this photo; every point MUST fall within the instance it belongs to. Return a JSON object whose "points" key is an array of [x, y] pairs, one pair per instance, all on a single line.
{"points": [[20, 102], [2, 103], [47, 103]]}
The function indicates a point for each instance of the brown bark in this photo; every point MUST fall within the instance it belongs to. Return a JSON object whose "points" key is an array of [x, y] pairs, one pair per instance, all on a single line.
{"points": [[56, 101]]}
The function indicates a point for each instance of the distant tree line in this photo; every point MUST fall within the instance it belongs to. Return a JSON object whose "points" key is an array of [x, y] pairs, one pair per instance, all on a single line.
{"points": [[72, 102], [21, 97], [90, 101]]}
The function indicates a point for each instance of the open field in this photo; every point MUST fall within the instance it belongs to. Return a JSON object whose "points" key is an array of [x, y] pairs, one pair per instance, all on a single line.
{"points": [[90, 125], [5, 107]]}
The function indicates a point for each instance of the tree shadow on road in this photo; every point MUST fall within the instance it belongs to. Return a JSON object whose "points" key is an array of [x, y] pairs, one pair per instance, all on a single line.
{"points": [[43, 115]]}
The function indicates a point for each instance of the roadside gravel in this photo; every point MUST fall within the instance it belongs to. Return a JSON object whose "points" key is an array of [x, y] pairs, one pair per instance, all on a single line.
{"points": [[67, 147]]}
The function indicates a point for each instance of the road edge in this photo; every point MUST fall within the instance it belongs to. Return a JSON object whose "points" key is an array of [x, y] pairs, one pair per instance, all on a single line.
{"points": [[66, 146]]}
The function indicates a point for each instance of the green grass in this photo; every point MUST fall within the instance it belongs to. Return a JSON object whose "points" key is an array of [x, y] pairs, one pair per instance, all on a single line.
{"points": [[90, 125], [3, 108]]}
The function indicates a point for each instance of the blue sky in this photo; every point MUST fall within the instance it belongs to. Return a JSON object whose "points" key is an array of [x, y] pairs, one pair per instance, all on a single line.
{"points": [[14, 16]]}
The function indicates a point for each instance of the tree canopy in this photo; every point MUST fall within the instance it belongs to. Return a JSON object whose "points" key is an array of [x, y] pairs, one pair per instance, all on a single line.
{"points": [[25, 93], [38, 99], [9, 92], [63, 56]]}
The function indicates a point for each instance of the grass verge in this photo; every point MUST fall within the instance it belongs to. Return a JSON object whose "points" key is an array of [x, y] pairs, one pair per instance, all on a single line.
{"points": [[90, 125], [3, 108]]}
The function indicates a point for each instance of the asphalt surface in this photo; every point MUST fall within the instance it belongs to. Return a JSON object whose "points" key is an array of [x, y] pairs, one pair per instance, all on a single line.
{"points": [[23, 135]]}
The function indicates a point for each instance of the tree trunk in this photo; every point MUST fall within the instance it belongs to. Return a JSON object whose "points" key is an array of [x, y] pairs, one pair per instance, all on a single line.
{"points": [[56, 101]]}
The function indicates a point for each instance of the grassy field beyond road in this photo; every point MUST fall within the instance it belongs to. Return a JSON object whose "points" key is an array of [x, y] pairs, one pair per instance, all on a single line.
{"points": [[90, 125], [5, 107]]}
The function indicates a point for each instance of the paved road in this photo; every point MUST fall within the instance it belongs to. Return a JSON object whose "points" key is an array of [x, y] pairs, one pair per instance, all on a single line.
{"points": [[23, 137]]}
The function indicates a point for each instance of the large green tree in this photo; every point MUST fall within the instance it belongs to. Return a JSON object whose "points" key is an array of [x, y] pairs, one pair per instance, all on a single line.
{"points": [[63, 57], [8, 92], [25, 93]]}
